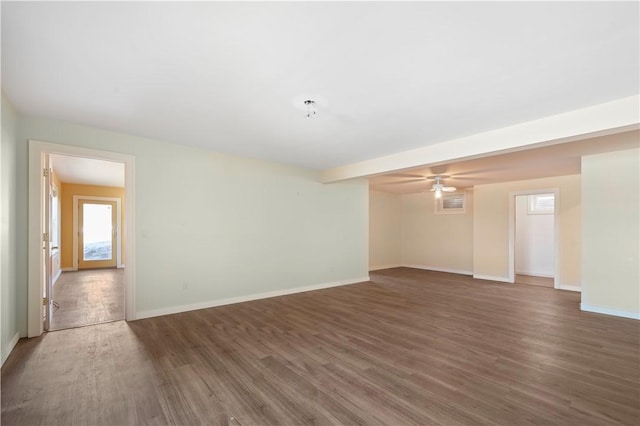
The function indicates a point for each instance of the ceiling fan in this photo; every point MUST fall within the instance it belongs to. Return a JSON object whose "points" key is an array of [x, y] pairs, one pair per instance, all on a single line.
{"points": [[439, 187]]}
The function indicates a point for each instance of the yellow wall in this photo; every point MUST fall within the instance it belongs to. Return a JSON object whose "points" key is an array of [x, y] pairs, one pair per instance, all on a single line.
{"points": [[68, 190]]}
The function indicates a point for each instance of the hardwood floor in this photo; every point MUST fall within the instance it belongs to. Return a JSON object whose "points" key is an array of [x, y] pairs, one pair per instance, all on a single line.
{"points": [[410, 347], [533, 280], [88, 297]]}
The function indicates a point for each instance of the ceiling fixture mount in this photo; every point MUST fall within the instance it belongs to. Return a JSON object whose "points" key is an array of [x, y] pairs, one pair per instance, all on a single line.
{"points": [[311, 108], [439, 187], [310, 104]]}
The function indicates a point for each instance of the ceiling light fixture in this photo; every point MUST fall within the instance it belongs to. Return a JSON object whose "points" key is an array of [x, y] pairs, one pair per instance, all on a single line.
{"points": [[311, 108], [438, 188]]}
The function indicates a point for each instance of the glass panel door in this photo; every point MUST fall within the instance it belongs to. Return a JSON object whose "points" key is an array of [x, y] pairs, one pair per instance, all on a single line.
{"points": [[97, 234]]}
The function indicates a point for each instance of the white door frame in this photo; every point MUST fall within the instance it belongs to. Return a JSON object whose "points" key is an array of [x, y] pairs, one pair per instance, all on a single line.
{"points": [[512, 231], [76, 200], [35, 253]]}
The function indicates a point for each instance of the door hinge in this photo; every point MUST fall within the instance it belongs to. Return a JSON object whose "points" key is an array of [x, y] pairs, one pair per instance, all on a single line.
{"points": [[45, 237], [45, 301], [45, 173]]}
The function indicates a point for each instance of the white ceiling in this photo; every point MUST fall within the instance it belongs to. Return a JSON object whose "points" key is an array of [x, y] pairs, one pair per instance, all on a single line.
{"points": [[88, 171], [395, 76]]}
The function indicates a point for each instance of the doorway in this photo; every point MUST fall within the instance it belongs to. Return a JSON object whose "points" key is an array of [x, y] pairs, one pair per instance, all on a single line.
{"points": [[97, 234], [89, 289], [534, 238], [39, 243]]}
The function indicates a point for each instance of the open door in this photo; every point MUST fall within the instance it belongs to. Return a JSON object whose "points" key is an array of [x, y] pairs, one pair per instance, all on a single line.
{"points": [[47, 285], [39, 247]]}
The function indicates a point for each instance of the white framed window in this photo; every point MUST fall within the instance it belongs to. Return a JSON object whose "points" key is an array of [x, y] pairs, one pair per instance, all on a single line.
{"points": [[451, 203], [55, 218], [541, 204]]}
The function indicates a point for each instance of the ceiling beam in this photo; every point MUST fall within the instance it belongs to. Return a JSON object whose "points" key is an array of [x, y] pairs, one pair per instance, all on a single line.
{"points": [[599, 120]]}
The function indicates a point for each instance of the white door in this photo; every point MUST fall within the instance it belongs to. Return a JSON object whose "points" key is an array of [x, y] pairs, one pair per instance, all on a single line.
{"points": [[47, 288]]}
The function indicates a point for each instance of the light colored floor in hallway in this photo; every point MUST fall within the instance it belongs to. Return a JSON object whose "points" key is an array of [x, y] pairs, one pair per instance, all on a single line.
{"points": [[532, 280], [88, 297]]}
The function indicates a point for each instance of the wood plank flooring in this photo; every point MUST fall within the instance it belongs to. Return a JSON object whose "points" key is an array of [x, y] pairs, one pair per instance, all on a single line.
{"points": [[409, 347], [534, 280], [88, 297]]}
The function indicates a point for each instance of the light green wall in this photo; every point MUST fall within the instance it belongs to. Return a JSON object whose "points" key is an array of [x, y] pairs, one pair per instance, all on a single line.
{"points": [[224, 226], [385, 230], [8, 195], [611, 232]]}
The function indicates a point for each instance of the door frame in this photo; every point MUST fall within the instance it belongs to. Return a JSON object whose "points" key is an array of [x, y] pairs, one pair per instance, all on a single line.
{"points": [[76, 203], [36, 261], [45, 279], [512, 232]]}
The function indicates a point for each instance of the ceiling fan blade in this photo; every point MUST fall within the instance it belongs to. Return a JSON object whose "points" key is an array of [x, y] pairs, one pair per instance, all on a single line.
{"points": [[399, 182], [464, 178], [407, 175], [439, 170], [449, 188]]}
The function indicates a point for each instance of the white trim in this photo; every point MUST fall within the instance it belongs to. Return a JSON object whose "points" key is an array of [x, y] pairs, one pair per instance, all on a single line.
{"points": [[607, 311], [239, 299], [437, 269], [12, 344], [569, 287], [68, 269], [492, 278], [556, 233], [36, 261], [76, 201], [534, 274], [377, 268], [438, 205]]}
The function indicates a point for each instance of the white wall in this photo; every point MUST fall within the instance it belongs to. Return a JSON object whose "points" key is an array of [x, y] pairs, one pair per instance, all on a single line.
{"points": [[436, 241], [211, 226], [535, 252], [491, 228], [385, 230], [9, 306], [611, 233]]}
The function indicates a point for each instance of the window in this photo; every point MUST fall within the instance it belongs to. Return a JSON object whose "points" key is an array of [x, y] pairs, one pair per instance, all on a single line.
{"points": [[454, 202], [541, 204], [55, 218]]}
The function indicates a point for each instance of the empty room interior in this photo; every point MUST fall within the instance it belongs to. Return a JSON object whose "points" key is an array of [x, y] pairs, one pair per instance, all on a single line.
{"points": [[252, 213]]}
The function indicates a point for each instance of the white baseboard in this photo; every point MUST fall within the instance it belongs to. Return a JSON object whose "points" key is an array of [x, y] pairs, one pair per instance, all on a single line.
{"points": [[607, 311], [240, 299], [437, 269], [492, 278], [68, 269], [377, 268], [12, 344], [569, 287], [534, 274], [120, 266]]}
